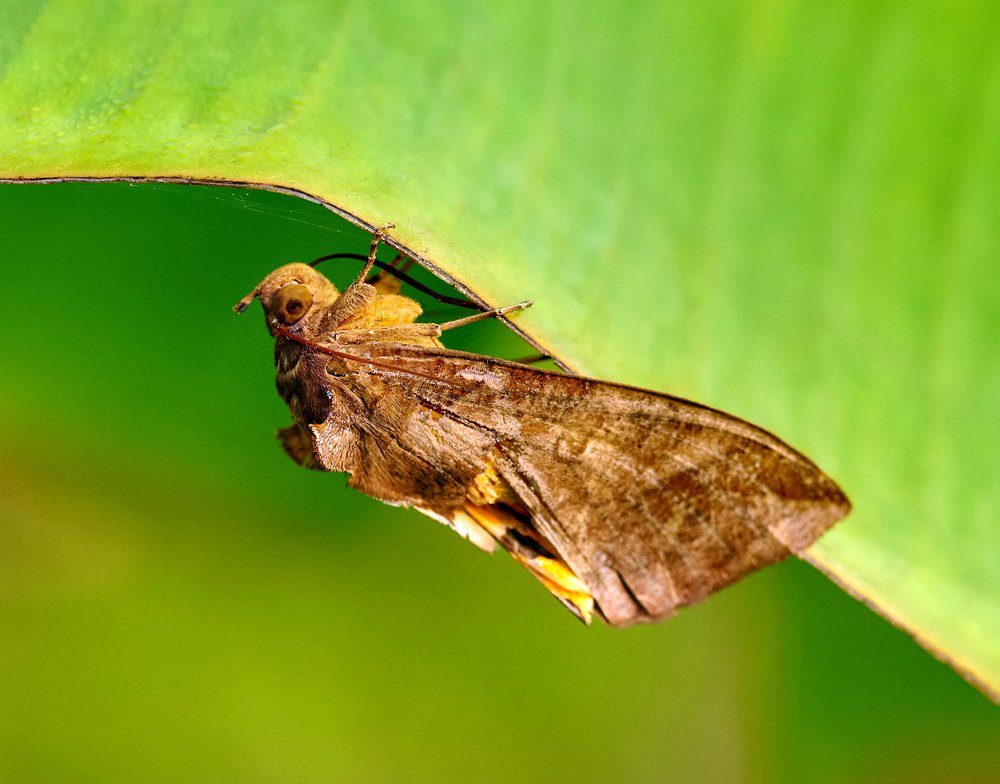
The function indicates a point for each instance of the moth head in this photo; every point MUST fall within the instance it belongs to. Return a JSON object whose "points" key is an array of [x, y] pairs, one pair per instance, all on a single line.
{"points": [[289, 295]]}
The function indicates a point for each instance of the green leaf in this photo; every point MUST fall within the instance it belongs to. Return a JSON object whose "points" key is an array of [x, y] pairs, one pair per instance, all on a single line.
{"points": [[786, 210]]}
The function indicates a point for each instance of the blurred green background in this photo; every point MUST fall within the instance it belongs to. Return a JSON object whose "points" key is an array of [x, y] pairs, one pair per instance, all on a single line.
{"points": [[180, 602]]}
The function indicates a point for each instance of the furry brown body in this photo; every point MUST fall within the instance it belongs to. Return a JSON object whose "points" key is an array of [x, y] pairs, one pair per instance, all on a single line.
{"points": [[622, 501]]}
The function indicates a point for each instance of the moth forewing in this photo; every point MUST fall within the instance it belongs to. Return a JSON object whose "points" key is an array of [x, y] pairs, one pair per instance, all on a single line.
{"points": [[623, 502]]}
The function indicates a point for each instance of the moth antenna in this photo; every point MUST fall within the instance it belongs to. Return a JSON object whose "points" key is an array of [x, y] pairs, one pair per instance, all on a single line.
{"points": [[355, 256], [401, 275]]}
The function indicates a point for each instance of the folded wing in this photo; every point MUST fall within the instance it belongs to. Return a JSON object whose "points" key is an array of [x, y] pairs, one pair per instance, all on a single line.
{"points": [[654, 502]]}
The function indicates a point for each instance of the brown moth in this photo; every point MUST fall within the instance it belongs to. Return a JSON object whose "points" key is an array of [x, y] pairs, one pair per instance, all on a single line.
{"points": [[624, 503]]}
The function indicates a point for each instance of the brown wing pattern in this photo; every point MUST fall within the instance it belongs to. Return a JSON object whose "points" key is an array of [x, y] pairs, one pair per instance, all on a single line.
{"points": [[654, 502]]}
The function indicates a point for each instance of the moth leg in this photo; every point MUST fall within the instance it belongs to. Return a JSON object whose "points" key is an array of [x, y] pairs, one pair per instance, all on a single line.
{"points": [[358, 295], [406, 333], [445, 326], [533, 359], [376, 239], [389, 333]]}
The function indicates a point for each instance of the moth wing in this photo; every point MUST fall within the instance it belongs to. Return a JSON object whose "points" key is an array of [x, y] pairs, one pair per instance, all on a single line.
{"points": [[654, 502]]}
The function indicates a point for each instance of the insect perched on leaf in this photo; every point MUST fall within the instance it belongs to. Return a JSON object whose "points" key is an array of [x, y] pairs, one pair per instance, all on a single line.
{"points": [[624, 503]]}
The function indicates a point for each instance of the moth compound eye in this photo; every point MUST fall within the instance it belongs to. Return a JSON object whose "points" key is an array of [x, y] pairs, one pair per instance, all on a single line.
{"points": [[291, 303]]}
